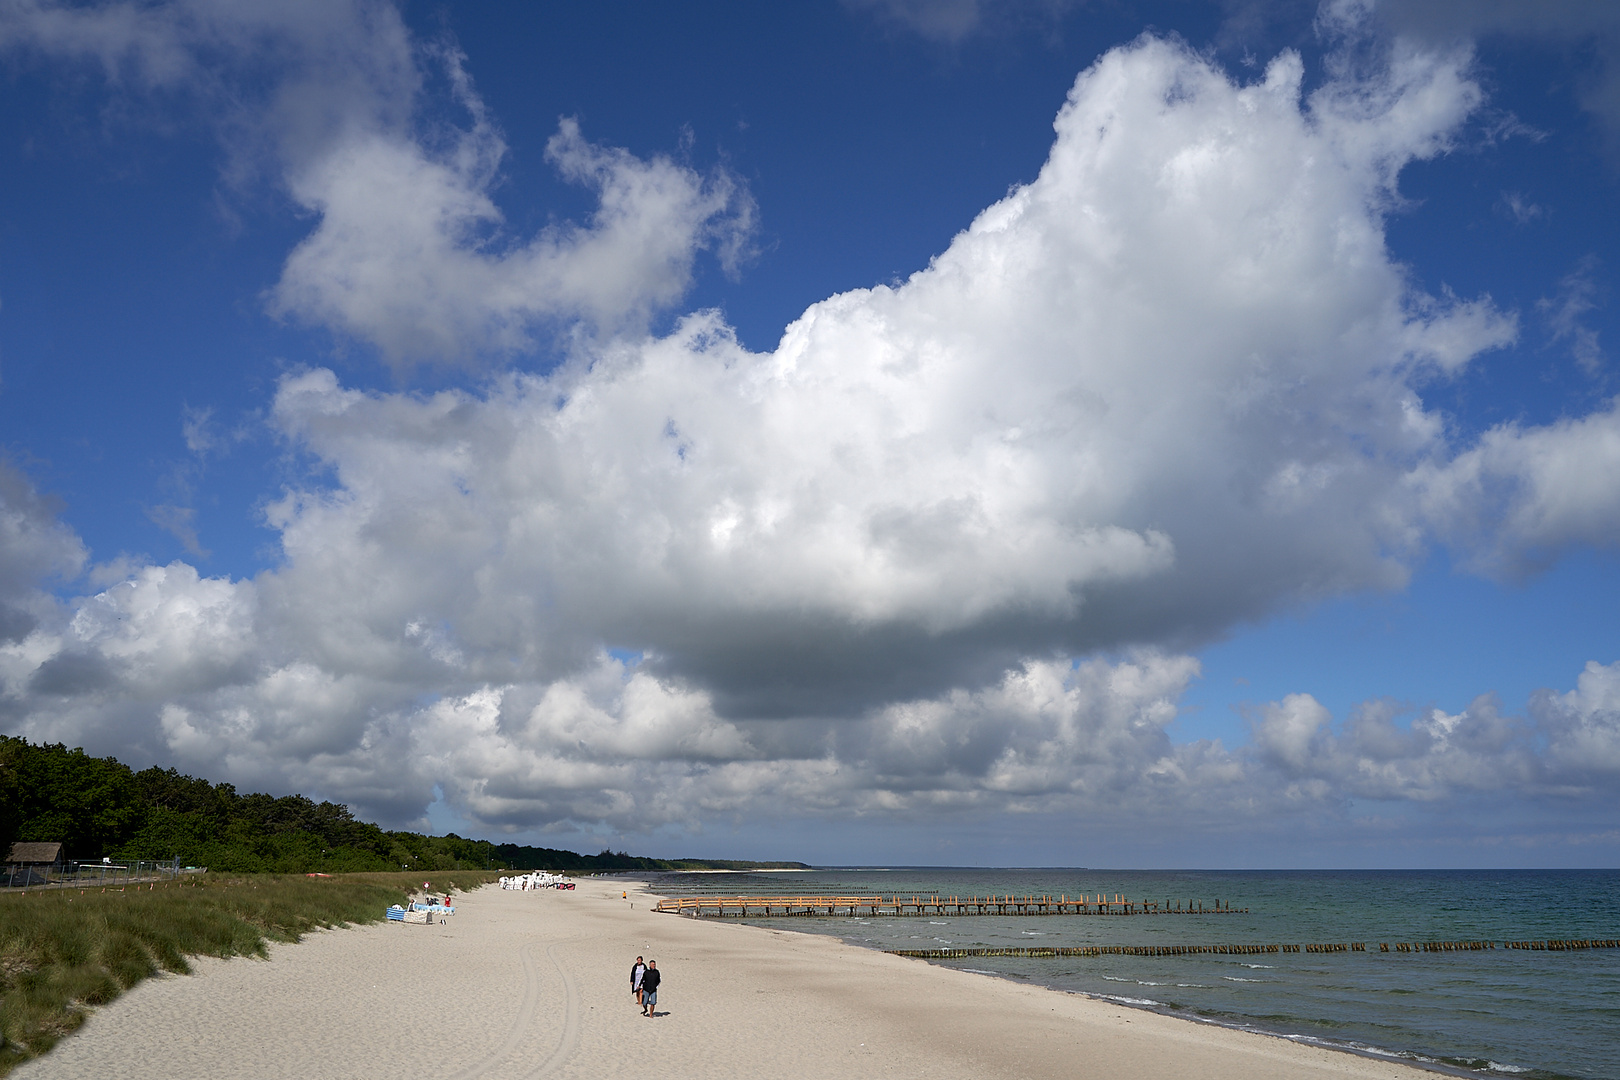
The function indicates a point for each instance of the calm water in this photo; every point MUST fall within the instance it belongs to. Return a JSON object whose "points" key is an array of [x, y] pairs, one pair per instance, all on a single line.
{"points": [[1537, 1015]]}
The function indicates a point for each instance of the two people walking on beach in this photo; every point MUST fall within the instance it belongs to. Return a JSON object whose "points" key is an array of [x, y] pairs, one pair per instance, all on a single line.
{"points": [[644, 979]]}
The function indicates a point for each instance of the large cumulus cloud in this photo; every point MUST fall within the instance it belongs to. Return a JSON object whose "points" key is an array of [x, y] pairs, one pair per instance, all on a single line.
{"points": [[941, 549], [1168, 385]]}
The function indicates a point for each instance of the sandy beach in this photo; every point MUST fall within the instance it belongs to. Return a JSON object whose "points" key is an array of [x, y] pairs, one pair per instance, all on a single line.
{"points": [[519, 985]]}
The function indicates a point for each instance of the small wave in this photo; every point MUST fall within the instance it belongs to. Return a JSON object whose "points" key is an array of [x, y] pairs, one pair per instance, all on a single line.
{"points": [[1033, 933], [1497, 1066], [1235, 978], [1267, 967], [1116, 978], [931, 922], [981, 971], [1131, 1000], [1355, 1047], [1194, 986]]}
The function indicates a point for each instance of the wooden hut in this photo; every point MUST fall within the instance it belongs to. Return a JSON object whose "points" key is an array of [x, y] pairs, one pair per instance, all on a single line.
{"points": [[28, 863]]}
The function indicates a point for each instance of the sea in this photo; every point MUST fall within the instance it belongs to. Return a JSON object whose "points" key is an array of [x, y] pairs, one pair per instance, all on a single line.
{"points": [[1527, 1014]]}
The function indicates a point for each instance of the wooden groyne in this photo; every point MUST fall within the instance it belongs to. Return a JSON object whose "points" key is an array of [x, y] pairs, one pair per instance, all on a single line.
{"points": [[1255, 950], [1092, 950], [788, 906], [1564, 945]]}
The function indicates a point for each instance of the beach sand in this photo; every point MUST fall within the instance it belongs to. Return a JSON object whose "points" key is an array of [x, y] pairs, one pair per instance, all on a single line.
{"points": [[536, 984]]}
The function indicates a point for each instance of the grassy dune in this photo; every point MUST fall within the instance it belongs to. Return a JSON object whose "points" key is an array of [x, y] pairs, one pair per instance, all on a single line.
{"points": [[63, 951]]}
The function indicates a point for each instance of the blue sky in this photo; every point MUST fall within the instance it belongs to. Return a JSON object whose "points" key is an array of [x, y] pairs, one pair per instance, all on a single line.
{"points": [[396, 408]]}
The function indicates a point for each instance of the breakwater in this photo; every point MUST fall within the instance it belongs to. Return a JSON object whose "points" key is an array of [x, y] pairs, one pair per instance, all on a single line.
{"points": [[1256, 950], [916, 906]]}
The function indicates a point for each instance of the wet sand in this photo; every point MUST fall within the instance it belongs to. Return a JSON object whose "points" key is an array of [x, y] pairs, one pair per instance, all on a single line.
{"points": [[536, 984]]}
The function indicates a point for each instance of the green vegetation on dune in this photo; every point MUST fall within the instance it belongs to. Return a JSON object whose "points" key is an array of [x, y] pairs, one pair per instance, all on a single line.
{"points": [[99, 807], [65, 951]]}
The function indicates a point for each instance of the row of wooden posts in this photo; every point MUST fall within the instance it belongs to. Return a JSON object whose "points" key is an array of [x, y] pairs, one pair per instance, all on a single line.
{"points": [[1552, 945], [136, 887], [1565, 944], [1253, 950], [781, 906]]}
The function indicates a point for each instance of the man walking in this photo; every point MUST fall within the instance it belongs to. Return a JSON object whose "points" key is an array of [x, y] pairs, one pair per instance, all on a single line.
{"points": [[649, 989], [637, 970]]}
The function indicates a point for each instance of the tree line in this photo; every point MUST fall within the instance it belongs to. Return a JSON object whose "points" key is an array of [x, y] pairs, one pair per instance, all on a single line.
{"points": [[100, 807]]}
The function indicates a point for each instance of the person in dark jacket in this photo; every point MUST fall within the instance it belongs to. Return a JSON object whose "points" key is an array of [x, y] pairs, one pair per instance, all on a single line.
{"points": [[649, 989]]}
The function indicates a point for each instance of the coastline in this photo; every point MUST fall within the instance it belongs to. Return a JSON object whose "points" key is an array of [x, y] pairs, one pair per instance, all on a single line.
{"points": [[536, 984]]}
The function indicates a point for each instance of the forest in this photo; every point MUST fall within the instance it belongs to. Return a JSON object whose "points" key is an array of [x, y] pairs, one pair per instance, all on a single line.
{"points": [[100, 807]]}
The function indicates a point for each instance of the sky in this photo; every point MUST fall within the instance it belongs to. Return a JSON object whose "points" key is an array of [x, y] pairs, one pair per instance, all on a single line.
{"points": [[973, 432]]}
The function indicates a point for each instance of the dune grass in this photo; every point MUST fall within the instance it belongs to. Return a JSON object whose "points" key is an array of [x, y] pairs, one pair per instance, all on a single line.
{"points": [[65, 951]]}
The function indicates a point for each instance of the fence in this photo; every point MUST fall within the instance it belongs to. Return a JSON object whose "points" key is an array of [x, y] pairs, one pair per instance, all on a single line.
{"points": [[103, 874]]}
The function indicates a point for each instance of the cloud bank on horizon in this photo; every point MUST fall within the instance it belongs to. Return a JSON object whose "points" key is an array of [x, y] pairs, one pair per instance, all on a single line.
{"points": [[945, 548]]}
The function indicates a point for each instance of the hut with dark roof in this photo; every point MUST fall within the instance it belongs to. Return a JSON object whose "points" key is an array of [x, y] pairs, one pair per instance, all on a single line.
{"points": [[28, 863]]}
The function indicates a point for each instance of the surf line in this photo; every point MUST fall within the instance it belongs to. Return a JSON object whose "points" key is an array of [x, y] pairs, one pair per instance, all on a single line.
{"points": [[1559, 945]]}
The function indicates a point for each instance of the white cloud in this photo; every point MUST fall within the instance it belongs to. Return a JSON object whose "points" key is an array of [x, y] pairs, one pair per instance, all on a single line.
{"points": [[1171, 385], [1520, 208], [1578, 294], [169, 629], [939, 20], [1520, 497], [286, 81], [1374, 756], [1289, 730], [409, 253], [34, 547], [950, 22], [1047, 732], [130, 42], [1584, 727], [1587, 30], [181, 523]]}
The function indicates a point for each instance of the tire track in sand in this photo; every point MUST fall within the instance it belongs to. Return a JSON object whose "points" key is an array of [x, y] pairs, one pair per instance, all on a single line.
{"points": [[570, 1035], [520, 1027]]}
